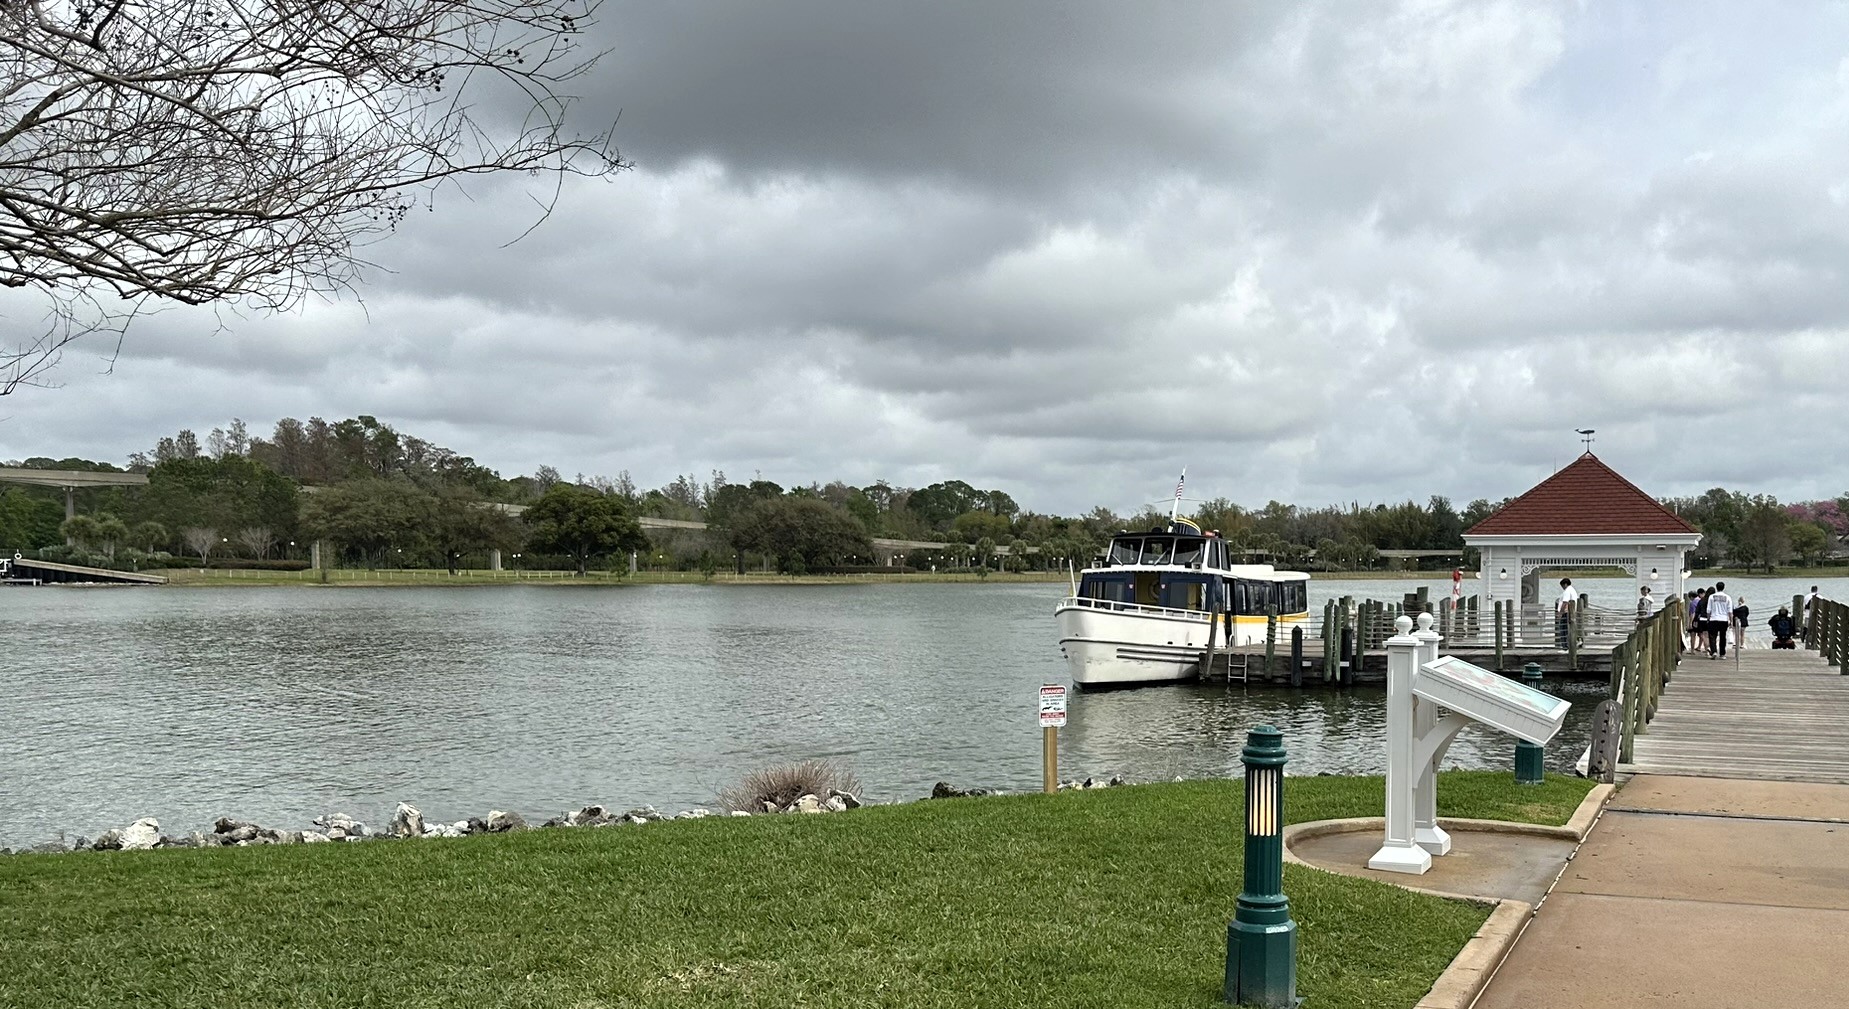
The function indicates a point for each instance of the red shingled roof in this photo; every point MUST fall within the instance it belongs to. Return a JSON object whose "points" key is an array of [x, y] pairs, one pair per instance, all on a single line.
{"points": [[1588, 498]]}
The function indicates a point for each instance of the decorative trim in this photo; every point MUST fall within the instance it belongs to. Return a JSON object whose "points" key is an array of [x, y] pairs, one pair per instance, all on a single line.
{"points": [[1533, 564]]}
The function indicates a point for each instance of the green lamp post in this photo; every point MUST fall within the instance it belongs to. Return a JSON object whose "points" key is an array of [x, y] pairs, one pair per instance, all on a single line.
{"points": [[1530, 766], [1261, 942]]}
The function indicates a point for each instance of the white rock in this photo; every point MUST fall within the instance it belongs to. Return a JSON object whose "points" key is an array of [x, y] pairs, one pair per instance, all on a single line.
{"points": [[500, 821], [835, 804], [141, 835], [739, 812], [408, 821], [807, 804], [314, 837], [694, 814]]}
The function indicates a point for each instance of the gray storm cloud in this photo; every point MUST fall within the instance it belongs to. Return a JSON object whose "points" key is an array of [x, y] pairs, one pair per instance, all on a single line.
{"points": [[1318, 253]]}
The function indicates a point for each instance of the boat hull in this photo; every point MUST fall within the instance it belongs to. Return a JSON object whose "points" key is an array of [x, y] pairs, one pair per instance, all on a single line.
{"points": [[1111, 648]]}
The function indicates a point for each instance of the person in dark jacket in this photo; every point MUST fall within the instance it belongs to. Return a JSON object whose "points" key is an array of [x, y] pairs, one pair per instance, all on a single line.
{"points": [[1783, 627]]}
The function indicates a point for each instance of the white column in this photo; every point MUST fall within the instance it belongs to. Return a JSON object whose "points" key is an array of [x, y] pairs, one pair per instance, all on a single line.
{"points": [[1400, 853], [494, 560], [1426, 832]]}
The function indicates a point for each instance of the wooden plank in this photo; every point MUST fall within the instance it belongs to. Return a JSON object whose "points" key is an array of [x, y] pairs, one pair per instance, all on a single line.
{"points": [[1780, 715]]}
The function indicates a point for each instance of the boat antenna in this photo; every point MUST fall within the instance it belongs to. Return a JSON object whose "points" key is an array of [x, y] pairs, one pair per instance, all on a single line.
{"points": [[1174, 511]]}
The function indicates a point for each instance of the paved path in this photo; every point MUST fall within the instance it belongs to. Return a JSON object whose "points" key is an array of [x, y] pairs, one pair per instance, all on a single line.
{"points": [[1779, 715], [1698, 893]]}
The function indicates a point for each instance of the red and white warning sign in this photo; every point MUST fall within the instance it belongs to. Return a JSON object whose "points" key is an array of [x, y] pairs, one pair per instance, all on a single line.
{"points": [[1052, 706]]}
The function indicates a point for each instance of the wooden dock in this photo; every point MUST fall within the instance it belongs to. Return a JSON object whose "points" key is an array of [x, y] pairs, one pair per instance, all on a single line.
{"points": [[1778, 715], [1248, 662]]}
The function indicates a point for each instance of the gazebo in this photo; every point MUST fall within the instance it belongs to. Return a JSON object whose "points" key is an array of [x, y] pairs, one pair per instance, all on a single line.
{"points": [[1584, 516]]}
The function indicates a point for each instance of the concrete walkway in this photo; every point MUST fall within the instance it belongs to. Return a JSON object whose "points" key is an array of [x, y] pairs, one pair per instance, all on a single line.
{"points": [[1698, 893]]}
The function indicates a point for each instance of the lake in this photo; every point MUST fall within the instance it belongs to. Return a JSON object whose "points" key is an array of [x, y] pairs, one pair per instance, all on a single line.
{"points": [[278, 704]]}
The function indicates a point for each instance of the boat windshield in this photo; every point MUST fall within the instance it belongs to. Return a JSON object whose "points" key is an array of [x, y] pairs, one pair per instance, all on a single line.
{"points": [[1125, 550], [1159, 550], [1188, 552]]}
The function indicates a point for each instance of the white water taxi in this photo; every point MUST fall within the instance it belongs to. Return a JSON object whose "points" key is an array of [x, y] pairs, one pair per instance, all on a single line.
{"points": [[1161, 599]]}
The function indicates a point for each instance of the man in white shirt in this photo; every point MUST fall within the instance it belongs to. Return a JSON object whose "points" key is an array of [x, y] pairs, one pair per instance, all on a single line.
{"points": [[1720, 616], [1563, 612], [1803, 615]]}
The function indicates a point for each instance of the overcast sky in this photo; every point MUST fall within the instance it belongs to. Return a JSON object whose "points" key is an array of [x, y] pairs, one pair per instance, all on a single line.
{"points": [[1317, 253]]}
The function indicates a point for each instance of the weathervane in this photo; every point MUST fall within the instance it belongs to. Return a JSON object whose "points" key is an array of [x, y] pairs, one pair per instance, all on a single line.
{"points": [[1585, 436]]}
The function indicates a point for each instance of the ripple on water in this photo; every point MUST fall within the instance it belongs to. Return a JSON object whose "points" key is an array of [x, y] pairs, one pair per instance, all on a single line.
{"points": [[279, 704]]}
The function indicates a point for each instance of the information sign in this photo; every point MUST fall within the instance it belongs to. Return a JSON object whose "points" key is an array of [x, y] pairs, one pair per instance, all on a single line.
{"points": [[1495, 700], [1052, 706]]}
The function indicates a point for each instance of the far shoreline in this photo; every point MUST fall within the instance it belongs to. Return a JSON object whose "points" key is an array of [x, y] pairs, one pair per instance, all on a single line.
{"points": [[426, 578]]}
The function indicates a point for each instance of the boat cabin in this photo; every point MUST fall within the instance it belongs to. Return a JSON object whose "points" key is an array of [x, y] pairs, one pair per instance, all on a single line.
{"points": [[1183, 571]]}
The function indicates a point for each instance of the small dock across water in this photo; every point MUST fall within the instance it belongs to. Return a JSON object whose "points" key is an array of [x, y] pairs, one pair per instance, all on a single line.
{"points": [[21, 570]]}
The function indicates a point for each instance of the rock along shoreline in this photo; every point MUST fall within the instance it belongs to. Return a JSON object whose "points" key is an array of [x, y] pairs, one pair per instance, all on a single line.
{"points": [[408, 823]]}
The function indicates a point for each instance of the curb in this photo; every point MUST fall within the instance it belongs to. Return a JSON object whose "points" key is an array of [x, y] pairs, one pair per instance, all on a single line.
{"points": [[1575, 829], [1470, 971], [1476, 963]]}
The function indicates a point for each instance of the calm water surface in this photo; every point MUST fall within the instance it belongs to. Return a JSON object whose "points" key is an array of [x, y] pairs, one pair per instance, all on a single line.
{"points": [[278, 704]]}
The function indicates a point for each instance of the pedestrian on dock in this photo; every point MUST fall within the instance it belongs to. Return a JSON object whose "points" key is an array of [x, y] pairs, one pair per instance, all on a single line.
{"points": [[1645, 605], [1563, 612], [1782, 629], [1804, 615], [1720, 614], [1698, 620]]}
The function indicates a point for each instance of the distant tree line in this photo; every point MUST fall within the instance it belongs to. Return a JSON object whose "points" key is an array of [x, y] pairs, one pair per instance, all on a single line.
{"points": [[382, 498]]}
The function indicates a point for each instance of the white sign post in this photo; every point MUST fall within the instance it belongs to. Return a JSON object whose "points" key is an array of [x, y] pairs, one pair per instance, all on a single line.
{"points": [[1419, 684], [1052, 716]]}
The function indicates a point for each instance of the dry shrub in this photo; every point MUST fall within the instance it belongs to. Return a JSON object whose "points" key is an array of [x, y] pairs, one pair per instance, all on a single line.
{"points": [[784, 785]]}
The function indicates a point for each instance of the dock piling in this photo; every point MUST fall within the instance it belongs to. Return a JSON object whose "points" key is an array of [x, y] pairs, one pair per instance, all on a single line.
{"points": [[1271, 639]]}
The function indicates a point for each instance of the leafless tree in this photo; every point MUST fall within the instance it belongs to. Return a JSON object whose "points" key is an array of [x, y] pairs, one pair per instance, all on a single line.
{"points": [[201, 540], [257, 540], [241, 151]]}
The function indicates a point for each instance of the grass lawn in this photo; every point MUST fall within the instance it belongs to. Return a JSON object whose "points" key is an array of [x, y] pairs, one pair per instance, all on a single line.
{"points": [[1116, 897]]}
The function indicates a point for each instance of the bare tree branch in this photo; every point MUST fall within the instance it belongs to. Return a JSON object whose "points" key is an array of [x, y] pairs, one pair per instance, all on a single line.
{"points": [[206, 151]]}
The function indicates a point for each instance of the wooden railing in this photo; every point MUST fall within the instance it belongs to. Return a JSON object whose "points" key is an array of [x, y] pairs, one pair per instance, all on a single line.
{"points": [[1641, 666], [1826, 631]]}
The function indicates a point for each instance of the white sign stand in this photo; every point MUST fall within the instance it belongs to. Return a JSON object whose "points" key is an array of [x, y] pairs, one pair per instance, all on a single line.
{"points": [[1419, 684]]}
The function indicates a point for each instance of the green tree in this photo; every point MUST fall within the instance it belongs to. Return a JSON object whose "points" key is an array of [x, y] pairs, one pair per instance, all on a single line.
{"points": [[976, 525], [370, 519], [29, 521], [111, 532], [83, 531], [1764, 534], [984, 549], [234, 492], [1809, 541], [800, 533], [582, 524], [461, 522], [149, 536]]}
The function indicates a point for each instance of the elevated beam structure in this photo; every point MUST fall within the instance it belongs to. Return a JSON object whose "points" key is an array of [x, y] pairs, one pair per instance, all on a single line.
{"points": [[70, 481]]}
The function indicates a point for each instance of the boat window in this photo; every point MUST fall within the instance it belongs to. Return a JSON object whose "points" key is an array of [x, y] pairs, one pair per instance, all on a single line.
{"points": [[1188, 552], [1158, 550], [1178, 594], [1255, 596], [1117, 590], [1296, 597], [1125, 551]]}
